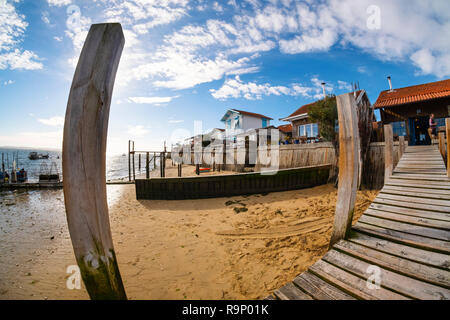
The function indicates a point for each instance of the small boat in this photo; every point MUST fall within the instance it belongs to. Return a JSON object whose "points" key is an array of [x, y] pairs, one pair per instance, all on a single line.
{"points": [[36, 156]]}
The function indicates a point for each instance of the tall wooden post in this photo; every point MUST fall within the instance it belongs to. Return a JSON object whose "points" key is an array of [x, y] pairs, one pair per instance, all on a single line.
{"points": [[179, 169], [447, 133], [348, 166], [147, 165], [388, 152], [129, 160], [442, 144], [134, 163], [139, 161], [401, 146], [84, 161]]}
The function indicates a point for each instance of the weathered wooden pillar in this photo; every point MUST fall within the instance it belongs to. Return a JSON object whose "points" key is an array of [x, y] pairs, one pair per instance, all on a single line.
{"points": [[442, 143], [197, 169], [447, 133], [348, 166], [401, 146], [179, 169], [388, 152], [164, 163], [84, 161], [139, 160], [134, 162], [147, 165], [129, 160]]}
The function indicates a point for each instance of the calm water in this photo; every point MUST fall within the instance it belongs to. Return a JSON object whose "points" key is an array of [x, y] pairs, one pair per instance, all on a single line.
{"points": [[116, 166]]}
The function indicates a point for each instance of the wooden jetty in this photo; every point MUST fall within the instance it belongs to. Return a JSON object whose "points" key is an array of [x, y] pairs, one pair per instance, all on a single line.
{"points": [[399, 249]]}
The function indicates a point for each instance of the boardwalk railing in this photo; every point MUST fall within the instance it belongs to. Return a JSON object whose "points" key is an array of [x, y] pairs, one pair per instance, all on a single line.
{"points": [[400, 248]]}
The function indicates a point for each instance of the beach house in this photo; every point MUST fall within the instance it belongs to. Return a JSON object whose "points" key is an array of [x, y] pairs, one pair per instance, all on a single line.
{"points": [[238, 121], [306, 130], [408, 109]]}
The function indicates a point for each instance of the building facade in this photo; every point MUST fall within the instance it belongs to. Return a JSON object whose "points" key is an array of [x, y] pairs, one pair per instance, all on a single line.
{"points": [[238, 121], [408, 109]]}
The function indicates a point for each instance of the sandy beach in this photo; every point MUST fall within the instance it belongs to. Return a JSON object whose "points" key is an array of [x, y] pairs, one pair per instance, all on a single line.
{"points": [[226, 248]]}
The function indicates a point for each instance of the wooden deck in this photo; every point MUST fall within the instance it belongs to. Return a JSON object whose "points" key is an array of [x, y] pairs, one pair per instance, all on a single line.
{"points": [[405, 233]]}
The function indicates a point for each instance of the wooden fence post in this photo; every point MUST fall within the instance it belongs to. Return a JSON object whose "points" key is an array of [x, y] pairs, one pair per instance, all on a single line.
{"points": [[348, 166], [134, 171], [139, 161], [84, 161], [401, 146], [129, 160], [147, 165], [442, 144], [388, 152], [447, 133]]}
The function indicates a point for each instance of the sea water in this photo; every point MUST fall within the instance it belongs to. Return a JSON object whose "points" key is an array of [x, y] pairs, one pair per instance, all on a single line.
{"points": [[116, 165]]}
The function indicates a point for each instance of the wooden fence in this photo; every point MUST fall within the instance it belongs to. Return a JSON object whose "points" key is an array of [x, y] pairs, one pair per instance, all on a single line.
{"points": [[231, 185]]}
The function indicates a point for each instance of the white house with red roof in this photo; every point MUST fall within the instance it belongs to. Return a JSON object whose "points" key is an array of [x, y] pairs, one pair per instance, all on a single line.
{"points": [[239, 121]]}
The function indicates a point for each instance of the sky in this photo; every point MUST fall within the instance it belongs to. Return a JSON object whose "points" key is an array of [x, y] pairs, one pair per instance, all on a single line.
{"points": [[187, 61]]}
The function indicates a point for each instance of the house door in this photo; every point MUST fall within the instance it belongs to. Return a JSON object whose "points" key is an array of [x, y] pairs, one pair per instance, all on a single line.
{"points": [[418, 130]]}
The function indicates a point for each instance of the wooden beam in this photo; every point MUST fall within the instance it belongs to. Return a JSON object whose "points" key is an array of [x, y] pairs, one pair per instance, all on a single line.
{"points": [[401, 146], [84, 161], [348, 166], [388, 151], [129, 160], [147, 165], [447, 133]]}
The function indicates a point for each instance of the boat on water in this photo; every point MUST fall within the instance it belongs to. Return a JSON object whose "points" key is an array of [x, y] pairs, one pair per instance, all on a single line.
{"points": [[36, 156]]}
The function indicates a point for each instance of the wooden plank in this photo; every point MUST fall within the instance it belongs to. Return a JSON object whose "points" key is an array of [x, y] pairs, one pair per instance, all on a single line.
{"points": [[84, 161], [412, 176], [319, 289], [406, 227], [419, 190], [291, 292], [418, 194], [349, 155], [408, 268], [351, 284], [391, 280], [405, 238], [438, 224], [418, 184], [433, 204], [427, 257], [439, 216], [388, 151], [405, 204]]}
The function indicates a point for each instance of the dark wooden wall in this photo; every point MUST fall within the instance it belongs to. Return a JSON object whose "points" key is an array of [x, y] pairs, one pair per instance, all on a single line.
{"points": [[230, 185]]}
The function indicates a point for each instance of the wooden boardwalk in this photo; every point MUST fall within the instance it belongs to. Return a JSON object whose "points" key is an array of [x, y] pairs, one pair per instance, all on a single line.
{"points": [[404, 234]]}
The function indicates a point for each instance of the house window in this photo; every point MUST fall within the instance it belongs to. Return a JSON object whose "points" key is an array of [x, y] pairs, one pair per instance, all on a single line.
{"points": [[308, 130], [264, 123], [399, 128], [236, 123]]}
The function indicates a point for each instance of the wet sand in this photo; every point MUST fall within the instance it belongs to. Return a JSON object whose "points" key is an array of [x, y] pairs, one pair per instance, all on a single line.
{"points": [[226, 248]]}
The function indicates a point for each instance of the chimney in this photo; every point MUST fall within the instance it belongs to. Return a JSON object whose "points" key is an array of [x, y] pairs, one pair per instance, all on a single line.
{"points": [[390, 83], [324, 93]]}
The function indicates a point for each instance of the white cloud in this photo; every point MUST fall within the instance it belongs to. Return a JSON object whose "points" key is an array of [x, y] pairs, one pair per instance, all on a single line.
{"points": [[45, 17], [362, 69], [58, 3], [137, 131], [53, 121], [236, 88], [175, 121], [342, 85], [8, 82], [59, 39], [151, 100], [12, 29], [20, 60]]}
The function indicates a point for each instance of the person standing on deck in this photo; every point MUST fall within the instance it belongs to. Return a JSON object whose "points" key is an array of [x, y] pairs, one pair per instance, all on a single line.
{"points": [[432, 128]]}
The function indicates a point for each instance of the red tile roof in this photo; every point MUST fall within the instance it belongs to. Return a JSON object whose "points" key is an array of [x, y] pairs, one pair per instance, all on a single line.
{"points": [[303, 109], [286, 128], [422, 92], [252, 114]]}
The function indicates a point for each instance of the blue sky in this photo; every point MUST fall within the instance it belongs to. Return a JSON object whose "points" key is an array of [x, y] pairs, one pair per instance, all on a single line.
{"points": [[192, 60]]}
